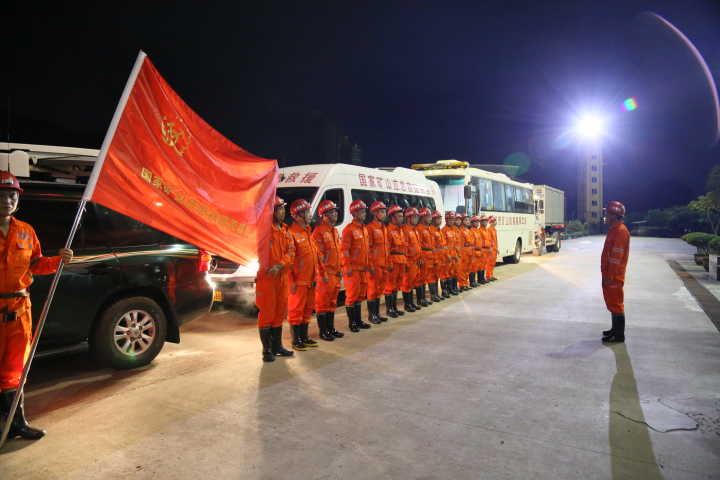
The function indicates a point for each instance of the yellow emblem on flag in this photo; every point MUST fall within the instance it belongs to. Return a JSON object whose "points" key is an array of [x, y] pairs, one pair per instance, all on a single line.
{"points": [[178, 140]]}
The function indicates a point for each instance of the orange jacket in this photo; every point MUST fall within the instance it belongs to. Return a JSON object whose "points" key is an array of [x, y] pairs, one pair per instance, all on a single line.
{"points": [[397, 246], [440, 245], [494, 244], [413, 243], [327, 242], [282, 250], [615, 253], [487, 237], [378, 244], [468, 241], [306, 258], [427, 243], [450, 234], [354, 247], [478, 242]]}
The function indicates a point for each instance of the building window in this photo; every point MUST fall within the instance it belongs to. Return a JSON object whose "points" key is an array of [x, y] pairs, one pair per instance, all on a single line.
{"points": [[594, 203], [594, 214], [594, 168], [594, 191], [594, 179]]}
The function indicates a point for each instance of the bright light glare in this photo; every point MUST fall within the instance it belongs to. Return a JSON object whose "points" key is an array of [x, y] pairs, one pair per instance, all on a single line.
{"points": [[590, 126]]}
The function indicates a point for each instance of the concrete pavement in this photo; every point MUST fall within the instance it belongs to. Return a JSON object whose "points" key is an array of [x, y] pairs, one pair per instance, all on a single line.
{"points": [[507, 381]]}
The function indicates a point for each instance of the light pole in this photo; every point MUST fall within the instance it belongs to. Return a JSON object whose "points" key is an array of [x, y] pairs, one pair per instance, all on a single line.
{"points": [[589, 129]]}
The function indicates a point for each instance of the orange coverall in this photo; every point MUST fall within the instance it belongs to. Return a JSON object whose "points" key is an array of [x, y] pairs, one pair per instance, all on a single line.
{"points": [[492, 256], [413, 255], [427, 246], [271, 292], [327, 242], [354, 248], [440, 254], [21, 258], [487, 249], [467, 254], [302, 276], [450, 234], [397, 249], [379, 261], [478, 262], [612, 266]]}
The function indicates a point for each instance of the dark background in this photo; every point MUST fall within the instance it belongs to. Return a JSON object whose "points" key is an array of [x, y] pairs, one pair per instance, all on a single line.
{"points": [[409, 82]]}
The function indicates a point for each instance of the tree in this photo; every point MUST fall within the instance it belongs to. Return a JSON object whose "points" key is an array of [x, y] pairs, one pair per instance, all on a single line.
{"points": [[709, 206]]}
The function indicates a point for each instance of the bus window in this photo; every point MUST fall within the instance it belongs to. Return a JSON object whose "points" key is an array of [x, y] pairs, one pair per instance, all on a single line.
{"points": [[527, 200], [510, 198], [486, 194], [498, 197], [290, 194], [369, 197], [336, 195]]}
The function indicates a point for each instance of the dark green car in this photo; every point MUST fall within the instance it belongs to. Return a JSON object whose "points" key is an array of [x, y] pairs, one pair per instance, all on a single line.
{"points": [[129, 287]]}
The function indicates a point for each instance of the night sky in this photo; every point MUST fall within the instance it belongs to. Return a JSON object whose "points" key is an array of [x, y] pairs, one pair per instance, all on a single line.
{"points": [[410, 82]]}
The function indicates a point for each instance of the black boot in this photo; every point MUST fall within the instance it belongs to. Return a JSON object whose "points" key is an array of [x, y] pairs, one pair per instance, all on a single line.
{"points": [[297, 341], [323, 328], [617, 332], [277, 346], [372, 318], [413, 296], [424, 290], [19, 426], [377, 311], [445, 288], [400, 313], [358, 316], [309, 342], [420, 292], [407, 303], [266, 339], [331, 325], [389, 306], [481, 277], [454, 286], [473, 284], [434, 293], [352, 325]]}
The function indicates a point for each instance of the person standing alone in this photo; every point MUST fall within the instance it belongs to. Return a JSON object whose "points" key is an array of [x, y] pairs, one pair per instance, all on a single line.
{"points": [[612, 266]]}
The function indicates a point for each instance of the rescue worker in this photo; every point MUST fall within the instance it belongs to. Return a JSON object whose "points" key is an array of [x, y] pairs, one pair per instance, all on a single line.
{"points": [[301, 301], [21, 259], [439, 260], [612, 266], [327, 242], [355, 263], [272, 286], [379, 261], [398, 262], [478, 253], [427, 248], [492, 256], [467, 252], [453, 256], [414, 259], [488, 252]]}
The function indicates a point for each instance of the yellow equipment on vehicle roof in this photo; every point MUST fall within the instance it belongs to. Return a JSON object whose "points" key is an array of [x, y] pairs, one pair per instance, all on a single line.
{"points": [[440, 164]]}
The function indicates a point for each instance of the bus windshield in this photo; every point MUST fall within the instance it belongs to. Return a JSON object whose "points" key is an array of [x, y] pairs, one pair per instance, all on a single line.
{"points": [[452, 191], [290, 194]]}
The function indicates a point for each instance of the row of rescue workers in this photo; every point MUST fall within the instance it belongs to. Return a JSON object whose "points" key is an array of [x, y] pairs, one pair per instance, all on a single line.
{"points": [[399, 250]]}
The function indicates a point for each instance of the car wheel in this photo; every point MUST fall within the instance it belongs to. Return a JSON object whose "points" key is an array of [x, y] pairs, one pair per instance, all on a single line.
{"points": [[130, 333], [558, 242]]}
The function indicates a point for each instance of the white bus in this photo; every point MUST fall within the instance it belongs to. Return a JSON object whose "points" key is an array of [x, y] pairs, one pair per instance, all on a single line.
{"points": [[473, 191], [342, 184]]}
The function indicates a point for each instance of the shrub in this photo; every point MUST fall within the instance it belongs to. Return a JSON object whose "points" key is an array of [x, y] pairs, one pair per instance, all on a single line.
{"points": [[714, 244], [700, 240]]}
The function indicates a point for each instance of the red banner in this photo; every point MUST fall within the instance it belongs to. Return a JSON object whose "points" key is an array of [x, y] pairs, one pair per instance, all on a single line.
{"points": [[164, 166]]}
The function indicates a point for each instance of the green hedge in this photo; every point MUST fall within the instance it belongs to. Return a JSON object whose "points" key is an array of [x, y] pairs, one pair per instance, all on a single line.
{"points": [[704, 242]]}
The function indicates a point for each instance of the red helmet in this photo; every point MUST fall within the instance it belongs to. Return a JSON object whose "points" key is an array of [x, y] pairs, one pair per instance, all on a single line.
{"points": [[394, 209], [357, 205], [8, 181], [299, 206], [492, 219], [436, 214], [461, 216], [326, 206], [377, 206], [616, 208], [474, 218], [424, 212], [279, 202], [449, 215], [484, 218], [411, 211]]}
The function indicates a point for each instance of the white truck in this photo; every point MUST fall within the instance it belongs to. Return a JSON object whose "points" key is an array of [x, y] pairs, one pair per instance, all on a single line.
{"points": [[550, 216]]}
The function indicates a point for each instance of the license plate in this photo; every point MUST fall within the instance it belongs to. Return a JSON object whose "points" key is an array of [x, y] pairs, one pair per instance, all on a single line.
{"points": [[217, 296]]}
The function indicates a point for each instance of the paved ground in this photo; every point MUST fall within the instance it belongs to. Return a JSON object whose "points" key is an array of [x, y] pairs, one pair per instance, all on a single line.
{"points": [[508, 381]]}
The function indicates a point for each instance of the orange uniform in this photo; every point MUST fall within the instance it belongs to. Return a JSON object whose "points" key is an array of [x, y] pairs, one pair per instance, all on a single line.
{"points": [[301, 300], [612, 266], [271, 292], [355, 262], [427, 247], [378, 251], [478, 253], [492, 255], [439, 255], [487, 249], [21, 257], [451, 236], [466, 256], [327, 242], [413, 255], [397, 249]]}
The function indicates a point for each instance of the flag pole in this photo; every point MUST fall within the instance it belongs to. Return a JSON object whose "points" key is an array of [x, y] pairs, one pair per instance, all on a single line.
{"points": [[89, 189]]}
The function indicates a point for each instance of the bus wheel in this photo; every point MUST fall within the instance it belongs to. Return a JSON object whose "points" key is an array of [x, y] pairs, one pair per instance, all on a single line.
{"points": [[515, 258]]}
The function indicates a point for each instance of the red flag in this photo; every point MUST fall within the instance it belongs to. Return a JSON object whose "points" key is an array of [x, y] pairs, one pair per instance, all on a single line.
{"points": [[164, 166]]}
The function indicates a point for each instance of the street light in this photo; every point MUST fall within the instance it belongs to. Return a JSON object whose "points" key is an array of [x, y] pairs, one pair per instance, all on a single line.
{"points": [[590, 127]]}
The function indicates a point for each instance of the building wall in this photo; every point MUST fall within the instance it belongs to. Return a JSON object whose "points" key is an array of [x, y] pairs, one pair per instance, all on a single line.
{"points": [[590, 185]]}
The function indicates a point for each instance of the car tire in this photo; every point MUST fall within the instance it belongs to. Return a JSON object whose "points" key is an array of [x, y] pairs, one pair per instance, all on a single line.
{"points": [[130, 333]]}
